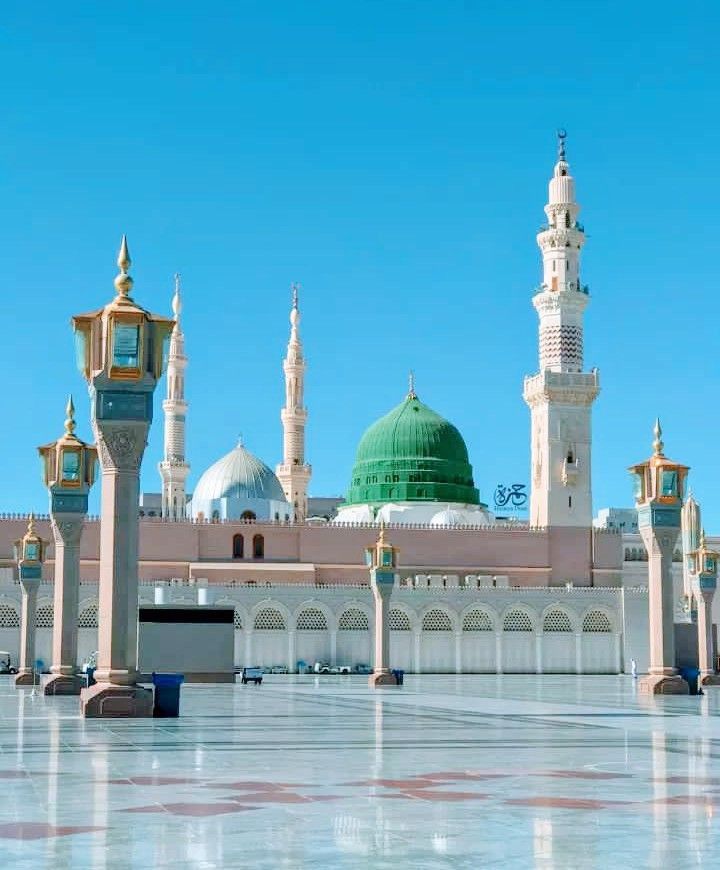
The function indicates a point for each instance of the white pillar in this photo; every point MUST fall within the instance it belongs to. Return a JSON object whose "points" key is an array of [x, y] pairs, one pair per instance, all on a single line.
{"points": [[578, 653], [248, 647], [705, 640], [28, 617], [498, 652], [458, 652], [333, 647], [292, 662], [416, 650], [66, 531], [538, 652]]}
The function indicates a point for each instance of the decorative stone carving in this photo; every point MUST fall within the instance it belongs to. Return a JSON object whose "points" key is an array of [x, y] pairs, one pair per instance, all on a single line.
{"points": [[120, 449], [67, 532]]}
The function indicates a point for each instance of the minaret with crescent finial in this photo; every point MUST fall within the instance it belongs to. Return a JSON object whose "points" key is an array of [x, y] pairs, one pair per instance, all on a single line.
{"points": [[293, 472], [560, 396], [174, 468]]}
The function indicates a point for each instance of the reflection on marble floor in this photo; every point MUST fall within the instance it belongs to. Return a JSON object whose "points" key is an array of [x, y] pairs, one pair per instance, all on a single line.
{"points": [[457, 772]]}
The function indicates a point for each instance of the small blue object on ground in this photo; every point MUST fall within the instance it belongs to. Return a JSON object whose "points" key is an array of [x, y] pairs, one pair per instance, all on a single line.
{"points": [[167, 694], [399, 676], [90, 674]]}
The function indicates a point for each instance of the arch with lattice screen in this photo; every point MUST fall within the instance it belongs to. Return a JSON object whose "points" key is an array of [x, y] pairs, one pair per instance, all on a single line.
{"points": [[399, 620], [477, 620], [311, 619], [517, 620], [596, 622], [45, 616], [557, 620], [269, 619], [88, 616], [9, 616], [353, 619], [436, 620]]}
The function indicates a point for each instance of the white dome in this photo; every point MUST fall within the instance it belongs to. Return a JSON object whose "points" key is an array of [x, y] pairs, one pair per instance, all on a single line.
{"points": [[238, 475], [454, 517]]}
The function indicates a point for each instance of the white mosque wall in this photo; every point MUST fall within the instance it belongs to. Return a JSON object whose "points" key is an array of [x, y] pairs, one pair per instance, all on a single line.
{"points": [[433, 630]]}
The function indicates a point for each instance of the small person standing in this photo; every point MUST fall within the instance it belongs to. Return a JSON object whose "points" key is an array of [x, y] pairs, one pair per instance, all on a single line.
{"points": [[633, 668]]}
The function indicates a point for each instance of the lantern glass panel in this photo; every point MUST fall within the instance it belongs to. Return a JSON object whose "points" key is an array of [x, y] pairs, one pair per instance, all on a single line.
{"points": [[638, 486], [32, 551], [80, 350], [368, 557], [710, 564], [126, 345], [387, 558], [668, 483], [71, 466]]}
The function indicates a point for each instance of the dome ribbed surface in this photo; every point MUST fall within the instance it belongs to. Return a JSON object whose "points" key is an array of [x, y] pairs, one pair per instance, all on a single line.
{"points": [[412, 454], [239, 474]]}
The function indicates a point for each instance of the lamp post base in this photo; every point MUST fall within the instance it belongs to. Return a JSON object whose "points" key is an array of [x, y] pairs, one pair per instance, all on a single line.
{"points": [[27, 678], [108, 701], [663, 684], [709, 679], [381, 678], [63, 684]]}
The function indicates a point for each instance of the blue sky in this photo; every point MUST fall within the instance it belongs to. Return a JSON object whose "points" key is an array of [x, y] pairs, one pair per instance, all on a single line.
{"points": [[393, 157]]}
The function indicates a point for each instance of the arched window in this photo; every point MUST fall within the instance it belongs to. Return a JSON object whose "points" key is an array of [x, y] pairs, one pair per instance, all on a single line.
{"points": [[248, 516], [353, 619], [517, 620], [89, 617], [238, 546], [477, 620], [269, 619], [258, 547], [596, 621], [311, 619], [399, 621], [436, 620], [557, 620], [9, 616], [44, 618]]}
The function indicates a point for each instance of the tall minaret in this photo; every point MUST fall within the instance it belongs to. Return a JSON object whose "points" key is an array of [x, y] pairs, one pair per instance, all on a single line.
{"points": [[293, 473], [174, 469], [560, 397]]}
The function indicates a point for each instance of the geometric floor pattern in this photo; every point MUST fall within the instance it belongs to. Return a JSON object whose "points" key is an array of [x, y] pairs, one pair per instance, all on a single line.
{"points": [[444, 772]]}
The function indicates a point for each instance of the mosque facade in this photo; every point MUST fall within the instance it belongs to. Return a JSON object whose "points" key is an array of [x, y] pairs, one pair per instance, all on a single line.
{"points": [[475, 594]]}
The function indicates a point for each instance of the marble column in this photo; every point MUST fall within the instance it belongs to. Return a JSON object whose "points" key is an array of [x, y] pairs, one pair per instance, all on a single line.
{"points": [[116, 692], [381, 675], [26, 675], [708, 675], [63, 679]]}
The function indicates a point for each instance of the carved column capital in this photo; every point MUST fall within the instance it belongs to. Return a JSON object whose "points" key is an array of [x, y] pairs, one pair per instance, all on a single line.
{"points": [[121, 447], [67, 531]]}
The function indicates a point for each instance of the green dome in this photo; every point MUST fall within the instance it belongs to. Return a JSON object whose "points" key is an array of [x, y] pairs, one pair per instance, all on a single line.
{"points": [[412, 454]]}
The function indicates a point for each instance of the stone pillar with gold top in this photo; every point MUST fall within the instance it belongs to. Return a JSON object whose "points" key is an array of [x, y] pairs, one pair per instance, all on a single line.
{"points": [[69, 467], [382, 561], [703, 566], [120, 353], [659, 491], [30, 555]]}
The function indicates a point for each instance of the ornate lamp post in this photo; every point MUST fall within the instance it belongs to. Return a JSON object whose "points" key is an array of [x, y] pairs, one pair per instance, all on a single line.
{"points": [[29, 554], [382, 561], [120, 353], [69, 467], [703, 565], [659, 490]]}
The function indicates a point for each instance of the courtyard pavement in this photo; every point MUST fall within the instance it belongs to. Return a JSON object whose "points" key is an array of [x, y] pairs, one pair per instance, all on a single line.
{"points": [[444, 772]]}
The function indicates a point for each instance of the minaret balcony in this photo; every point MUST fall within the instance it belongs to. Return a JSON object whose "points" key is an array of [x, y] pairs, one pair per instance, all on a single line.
{"points": [[575, 388]]}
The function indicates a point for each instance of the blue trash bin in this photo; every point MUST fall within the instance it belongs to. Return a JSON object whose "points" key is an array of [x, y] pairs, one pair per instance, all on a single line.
{"points": [[167, 694]]}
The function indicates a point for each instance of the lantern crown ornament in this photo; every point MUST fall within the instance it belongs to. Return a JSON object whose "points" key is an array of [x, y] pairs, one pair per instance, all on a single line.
{"points": [[703, 563], [121, 342], [68, 463], [659, 481], [383, 556], [30, 549]]}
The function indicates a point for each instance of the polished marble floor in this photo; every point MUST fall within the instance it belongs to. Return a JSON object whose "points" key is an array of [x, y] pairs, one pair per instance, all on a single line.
{"points": [[444, 772]]}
